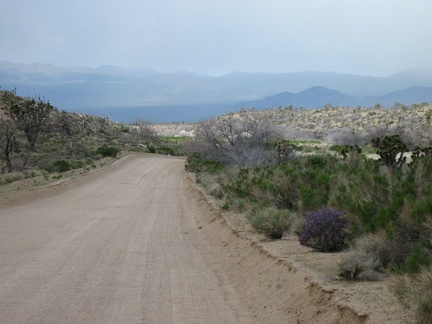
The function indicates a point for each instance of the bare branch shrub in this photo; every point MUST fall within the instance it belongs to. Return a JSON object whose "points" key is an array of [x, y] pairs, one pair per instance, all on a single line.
{"points": [[300, 134], [243, 140], [345, 136], [145, 131]]}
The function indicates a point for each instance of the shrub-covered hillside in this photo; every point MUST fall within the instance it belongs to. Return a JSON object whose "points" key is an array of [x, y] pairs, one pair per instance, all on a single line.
{"points": [[38, 140]]}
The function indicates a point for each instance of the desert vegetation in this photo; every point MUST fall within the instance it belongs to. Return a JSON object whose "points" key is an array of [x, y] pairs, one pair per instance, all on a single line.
{"points": [[356, 180], [363, 190], [40, 143]]}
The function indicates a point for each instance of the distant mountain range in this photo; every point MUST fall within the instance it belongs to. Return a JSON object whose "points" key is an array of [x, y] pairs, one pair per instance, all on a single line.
{"points": [[316, 97], [112, 86]]}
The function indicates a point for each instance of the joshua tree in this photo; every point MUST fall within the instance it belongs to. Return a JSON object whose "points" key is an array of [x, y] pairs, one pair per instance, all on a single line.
{"points": [[391, 150], [29, 115], [8, 141]]}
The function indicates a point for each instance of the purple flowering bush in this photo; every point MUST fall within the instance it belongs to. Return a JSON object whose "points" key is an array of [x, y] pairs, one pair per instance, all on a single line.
{"points": [[325, 230]]}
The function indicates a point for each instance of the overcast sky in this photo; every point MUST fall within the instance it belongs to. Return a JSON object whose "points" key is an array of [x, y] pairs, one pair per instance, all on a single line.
{"points": [[367, 37]]}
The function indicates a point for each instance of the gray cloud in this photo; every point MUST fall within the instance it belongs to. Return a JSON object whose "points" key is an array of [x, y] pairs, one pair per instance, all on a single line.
{"points": [[219, 36]]}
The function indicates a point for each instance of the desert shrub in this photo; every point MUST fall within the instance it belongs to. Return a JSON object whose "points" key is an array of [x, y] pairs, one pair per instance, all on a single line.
{"points": [[210, 184], [152, 149], [61, 166], [263, 187], [358, 265], [270, 221], [415, 292], [417, 258], [238, 204], [76, 164], [296, 223], [108, 151], [366, 193], [410, 243], [325, 230], [198, 163], [314, 188], [11, 177], [165, 150], [316, 161], [243, 140], [368, 256], [337, 148], [424, 297]]}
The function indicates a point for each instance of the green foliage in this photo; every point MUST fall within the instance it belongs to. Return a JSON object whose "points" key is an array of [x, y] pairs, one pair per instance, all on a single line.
{"points": [[270, 221], [108, 151], [337, 148], [166, 150], [63, 166], [366, 193], [314, 187], [417, 258], [302, 184], [198, 163], [316, 161]]}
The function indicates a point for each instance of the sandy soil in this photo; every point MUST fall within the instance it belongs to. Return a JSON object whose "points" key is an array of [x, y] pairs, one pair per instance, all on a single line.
{"points": [[138, 242]]}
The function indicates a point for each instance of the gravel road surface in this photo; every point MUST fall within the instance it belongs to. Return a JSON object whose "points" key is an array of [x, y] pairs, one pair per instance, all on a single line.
{"points": [[122, 246]]}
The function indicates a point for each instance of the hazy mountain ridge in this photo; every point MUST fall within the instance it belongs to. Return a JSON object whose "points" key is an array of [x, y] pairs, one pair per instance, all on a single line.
{"points": [[112, 86], [316, 97]]}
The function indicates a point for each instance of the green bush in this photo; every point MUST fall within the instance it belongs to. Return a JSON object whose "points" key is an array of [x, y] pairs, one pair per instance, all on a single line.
{"points": [[417, 258], [316, 161], [165, 150], [337, 148], [270, 221], [314, 189], [152, 149], [198, 163], [61, 166], [108, 151]]}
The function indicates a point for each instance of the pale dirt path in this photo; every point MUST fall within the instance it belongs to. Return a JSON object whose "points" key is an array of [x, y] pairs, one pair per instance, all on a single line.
{"points": [[122, 246]]}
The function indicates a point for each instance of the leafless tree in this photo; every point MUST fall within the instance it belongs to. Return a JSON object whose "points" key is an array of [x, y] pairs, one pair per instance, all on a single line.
{"points": [[145, 131], [345, 136], [240, 139], [29, 114]]}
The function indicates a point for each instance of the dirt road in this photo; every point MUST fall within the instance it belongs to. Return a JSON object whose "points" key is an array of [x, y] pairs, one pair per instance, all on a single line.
{"points": [[122, 246]]}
